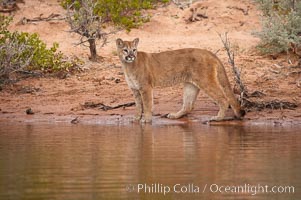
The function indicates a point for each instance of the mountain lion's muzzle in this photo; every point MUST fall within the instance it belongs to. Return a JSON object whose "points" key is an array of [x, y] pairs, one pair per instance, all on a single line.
{"points": [[130, 58]]}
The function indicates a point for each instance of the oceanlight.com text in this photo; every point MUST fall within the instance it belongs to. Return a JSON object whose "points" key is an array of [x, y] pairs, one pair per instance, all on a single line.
{"points": [[158, 188]]}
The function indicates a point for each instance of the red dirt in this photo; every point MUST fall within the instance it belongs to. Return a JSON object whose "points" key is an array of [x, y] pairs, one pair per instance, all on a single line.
{"points": [[54, 99]]}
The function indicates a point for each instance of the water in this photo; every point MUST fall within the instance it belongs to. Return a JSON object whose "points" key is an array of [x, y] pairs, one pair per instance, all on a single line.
{"points": [[85, 162]]}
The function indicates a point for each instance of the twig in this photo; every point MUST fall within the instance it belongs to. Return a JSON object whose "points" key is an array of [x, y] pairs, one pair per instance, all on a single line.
{"points": [[231, 60], [106, 107], [33, 73], [51, 17], [245, 11], [274, 105], [217, 51]]}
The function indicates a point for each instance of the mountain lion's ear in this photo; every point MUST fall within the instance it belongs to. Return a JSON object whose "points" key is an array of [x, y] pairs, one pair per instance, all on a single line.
{"points": [[119, 43], [136, 41]]}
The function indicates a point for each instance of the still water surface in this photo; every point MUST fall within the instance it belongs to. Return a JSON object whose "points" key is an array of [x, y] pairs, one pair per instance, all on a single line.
{"points": [[92, 162]]}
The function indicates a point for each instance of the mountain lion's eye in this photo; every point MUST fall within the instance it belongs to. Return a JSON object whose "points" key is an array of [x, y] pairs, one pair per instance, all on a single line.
{"points": [[134, 50], [125, 51]]}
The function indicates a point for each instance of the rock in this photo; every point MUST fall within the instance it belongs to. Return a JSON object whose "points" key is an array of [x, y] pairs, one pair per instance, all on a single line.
{"points": [[29, 111], [75, 121]]}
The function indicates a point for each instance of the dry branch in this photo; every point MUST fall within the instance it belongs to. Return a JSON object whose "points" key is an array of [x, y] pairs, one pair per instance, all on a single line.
{"points": [[51, 17], [274, 105], [236, 72], [106, 107], [244, 96], [85, 22], [244, 11]]}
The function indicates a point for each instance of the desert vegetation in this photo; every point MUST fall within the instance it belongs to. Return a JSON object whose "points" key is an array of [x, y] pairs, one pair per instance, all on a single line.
{"points": [[281, 28], [21, 52], [127, 14]]}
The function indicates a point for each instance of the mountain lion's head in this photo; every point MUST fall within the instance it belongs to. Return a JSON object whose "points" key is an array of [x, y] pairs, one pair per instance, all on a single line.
{"points": [[127, 50]]}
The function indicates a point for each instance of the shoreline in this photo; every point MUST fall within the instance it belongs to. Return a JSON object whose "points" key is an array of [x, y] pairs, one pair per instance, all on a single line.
{"points": [[127, 120]]}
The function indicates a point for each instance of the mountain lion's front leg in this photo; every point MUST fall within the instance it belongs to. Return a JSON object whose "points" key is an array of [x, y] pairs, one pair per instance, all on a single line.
{"points": [[138, 102], [147, 101]]}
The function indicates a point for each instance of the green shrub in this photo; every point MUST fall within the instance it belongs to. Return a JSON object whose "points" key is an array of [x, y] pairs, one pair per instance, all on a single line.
{"points": [[281, 26], [4, 22], [125, 13], [23, 51]]}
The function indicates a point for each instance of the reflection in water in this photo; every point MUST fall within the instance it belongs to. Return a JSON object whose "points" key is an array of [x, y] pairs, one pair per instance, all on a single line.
{"points": [[103, 162]]}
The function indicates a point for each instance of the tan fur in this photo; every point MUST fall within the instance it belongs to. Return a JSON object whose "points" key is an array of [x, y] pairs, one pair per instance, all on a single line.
{"points": [[196, 68]]}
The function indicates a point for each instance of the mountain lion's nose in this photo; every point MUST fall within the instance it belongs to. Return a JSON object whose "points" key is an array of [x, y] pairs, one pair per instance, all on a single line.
{"points": [[130, 58]]}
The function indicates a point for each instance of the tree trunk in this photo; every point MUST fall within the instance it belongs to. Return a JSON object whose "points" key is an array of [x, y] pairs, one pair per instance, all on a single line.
{"points": [[92, 46]]}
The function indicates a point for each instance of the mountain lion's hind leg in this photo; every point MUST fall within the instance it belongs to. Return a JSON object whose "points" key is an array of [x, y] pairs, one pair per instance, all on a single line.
{"points": [[189, 96]]}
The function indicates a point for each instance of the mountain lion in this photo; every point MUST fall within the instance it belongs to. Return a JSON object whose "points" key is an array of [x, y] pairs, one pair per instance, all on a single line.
{"points": [[196, 68]]}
